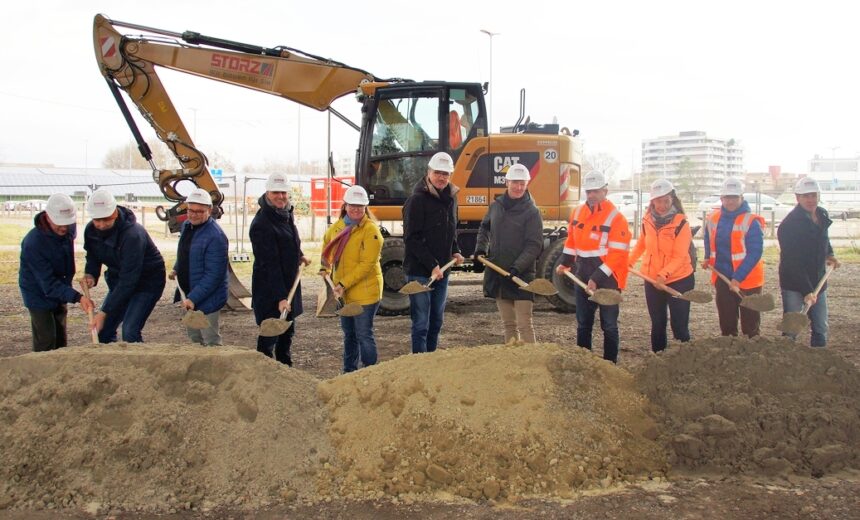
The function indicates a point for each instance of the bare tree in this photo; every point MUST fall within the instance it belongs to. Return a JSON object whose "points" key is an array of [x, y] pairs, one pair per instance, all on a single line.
{"points": [[600, 162], [128, 156]]}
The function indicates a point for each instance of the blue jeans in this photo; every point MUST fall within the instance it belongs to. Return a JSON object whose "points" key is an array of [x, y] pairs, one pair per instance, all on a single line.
{"points": [[133, 317], [585, 310], [792, 301], [427, 310], [358, 340], [662, 305]]}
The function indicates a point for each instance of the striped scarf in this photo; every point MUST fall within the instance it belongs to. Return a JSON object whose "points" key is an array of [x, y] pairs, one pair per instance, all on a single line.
{"points": [[334, 249]]}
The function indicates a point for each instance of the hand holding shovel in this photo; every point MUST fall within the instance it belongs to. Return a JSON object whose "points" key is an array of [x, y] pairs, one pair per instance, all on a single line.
{"points": [[346, 309], [271, 327], [86, 291], [414, 287], [192, 319], [756, 302], [691, 295], [598, 296], [795, 322], [540, 286]]}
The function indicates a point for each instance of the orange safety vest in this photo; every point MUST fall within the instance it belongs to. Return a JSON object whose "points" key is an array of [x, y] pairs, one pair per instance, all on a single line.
{"points": [[602, 233], [667, 250], [740, 227]]}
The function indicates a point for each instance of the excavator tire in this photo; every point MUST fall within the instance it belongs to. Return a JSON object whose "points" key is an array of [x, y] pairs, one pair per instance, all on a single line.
{"points": [[393, 278], [565, 300]]}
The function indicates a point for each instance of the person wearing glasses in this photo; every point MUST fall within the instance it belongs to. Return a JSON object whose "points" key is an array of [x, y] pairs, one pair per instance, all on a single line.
{"points": [[201, 266], [430, 237]]}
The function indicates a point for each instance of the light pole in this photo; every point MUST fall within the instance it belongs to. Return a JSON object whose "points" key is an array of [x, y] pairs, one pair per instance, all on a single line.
{"points": [[490, 92]]}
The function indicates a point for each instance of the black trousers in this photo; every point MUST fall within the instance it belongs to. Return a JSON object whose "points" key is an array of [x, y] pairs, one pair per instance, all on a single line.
{"points": [[278, 345], [729, 309], [49, 328], [666, 309]]}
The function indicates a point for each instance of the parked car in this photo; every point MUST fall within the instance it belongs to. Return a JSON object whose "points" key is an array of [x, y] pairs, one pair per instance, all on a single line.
{"points": [[10, 205], [625, 201], [32, 204], [765, 205]]}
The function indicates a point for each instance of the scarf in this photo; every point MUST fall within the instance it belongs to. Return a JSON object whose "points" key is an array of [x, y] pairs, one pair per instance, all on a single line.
{"points": [[662, 220], [334, 249]]}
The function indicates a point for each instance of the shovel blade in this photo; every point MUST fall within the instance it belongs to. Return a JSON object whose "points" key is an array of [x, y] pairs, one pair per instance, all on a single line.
{"points": [[195, 320], [414, 287], [274, 327], [349, 310], [326, 303], [759, 302], [606, 297], [793, 322], [698, 296], [541, 286]]}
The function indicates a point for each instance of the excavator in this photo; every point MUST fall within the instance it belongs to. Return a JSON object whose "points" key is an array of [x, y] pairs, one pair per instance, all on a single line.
{"points": [[403, 124]]}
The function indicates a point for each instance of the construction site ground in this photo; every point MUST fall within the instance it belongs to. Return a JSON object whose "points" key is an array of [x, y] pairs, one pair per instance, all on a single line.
{"points": [[720, 488]]}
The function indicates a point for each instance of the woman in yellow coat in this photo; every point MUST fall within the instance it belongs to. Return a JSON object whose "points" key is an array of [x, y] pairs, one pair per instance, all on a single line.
{"points": [[351, 249]]}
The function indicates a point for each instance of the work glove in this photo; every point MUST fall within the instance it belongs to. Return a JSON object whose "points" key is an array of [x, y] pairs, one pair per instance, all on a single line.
{"points": [[512, 272], [477, 265]]}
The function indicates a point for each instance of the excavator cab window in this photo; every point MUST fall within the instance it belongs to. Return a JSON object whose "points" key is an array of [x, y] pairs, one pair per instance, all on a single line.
{"points": [[463, 109]]}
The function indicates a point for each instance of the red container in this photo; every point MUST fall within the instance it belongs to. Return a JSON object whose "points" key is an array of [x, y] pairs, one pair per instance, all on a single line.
{"points": [[319, 189]]}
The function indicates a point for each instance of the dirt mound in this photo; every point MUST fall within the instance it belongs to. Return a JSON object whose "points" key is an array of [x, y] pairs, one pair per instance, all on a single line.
{"points": [[763, 406], [494, 422], [155, 428]]}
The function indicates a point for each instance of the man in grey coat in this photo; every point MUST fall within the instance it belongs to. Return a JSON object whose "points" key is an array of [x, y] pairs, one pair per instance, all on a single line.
{"points": [[512, 234]]}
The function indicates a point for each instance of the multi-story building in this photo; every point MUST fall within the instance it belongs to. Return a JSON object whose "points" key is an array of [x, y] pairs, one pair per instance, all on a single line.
{"points": [[836, 173], [695, 163]]}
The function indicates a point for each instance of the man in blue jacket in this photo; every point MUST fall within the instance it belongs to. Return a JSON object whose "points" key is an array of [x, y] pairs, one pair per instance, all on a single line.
{"points": [[201, 266], [135, 269], [46, 272], [804, 253]]}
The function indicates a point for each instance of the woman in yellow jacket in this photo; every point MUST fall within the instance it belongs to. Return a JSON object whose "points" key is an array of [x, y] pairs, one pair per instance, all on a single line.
{"points": [[665, 242], [351, 249]]}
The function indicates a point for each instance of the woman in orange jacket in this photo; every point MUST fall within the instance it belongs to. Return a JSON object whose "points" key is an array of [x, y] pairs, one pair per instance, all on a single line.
{"points": [[665, 243]]}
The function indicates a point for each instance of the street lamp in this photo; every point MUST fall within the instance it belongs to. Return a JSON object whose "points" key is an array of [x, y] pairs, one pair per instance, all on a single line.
{"points": [[490, 110]]}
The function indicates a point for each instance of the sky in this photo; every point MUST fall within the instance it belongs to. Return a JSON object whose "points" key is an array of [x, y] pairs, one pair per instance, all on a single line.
{"points": [[780, 78]]}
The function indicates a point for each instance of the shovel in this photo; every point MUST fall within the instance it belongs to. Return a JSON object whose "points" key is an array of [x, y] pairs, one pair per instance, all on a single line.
{"points": [[345, 310], [93, 332], [756, 302], [540, 286], [192, 319], [599, 296], [271, 327], [795, 322], [691, 295], [414, 287]]}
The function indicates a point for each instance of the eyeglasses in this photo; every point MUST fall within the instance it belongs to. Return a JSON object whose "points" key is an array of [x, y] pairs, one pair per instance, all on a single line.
{"points": [[196, 211], [441, 173]]}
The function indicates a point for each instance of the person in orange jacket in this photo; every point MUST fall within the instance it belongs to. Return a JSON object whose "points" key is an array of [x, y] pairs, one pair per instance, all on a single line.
{"points": [[598, 241], [665, 242]]}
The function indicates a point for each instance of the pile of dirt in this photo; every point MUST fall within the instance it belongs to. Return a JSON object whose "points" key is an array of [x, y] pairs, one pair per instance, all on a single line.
{"points": [[762, 406], [489, 422], [157, 428]]}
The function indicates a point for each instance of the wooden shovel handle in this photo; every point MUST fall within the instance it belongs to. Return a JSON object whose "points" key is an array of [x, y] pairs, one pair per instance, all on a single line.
{"points": [[444, 268], [653, 282], [728, 282], [330, 283], [295, 285], [517, 280], [824, 278], [579, 282], [86, 290]]}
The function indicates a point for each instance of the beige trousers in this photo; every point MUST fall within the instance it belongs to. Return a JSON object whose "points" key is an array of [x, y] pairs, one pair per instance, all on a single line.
{"points": [[517, 319]]}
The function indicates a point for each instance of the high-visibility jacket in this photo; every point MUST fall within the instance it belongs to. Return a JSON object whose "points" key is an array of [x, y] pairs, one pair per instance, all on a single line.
{"points": [[667, 249], [600, 234], [740, 227]]}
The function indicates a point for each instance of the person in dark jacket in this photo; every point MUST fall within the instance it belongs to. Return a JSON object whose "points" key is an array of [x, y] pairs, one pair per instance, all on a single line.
{"points": [[277, 257], [135, 269], [46, 272], [201, 266], [804, 253], [430, 237], [512, 233]]}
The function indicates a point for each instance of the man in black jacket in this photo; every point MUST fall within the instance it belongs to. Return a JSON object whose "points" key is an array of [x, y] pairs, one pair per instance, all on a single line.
{"points": [[805, 251], [430, 236]]}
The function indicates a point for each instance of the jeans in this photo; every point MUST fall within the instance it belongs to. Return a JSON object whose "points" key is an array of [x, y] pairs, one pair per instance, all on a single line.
{"points": [[358, 341], [427, 310], [132, 315], [661, 305], [585, 310], [49, 328], [211, 335], [278, 345], [792, 301]]}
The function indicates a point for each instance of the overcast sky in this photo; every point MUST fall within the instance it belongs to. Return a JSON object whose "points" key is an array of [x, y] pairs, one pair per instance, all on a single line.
{"points": [[781, 78]]}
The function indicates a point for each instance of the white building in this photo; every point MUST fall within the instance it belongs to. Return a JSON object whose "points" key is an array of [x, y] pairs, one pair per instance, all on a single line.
{"points": [[836, 173], [695, 163]]}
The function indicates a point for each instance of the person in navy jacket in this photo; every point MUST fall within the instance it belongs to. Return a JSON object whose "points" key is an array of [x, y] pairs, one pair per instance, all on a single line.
{"points": [[201, 266], [46, 272], [135, 269]]}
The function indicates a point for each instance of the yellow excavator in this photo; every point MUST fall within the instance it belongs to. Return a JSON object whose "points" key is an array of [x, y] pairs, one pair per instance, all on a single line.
{"points": [[403, 124]]}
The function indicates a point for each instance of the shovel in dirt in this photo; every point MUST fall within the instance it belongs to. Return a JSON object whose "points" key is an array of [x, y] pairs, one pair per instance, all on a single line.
{"points": [[691, 295], [795, 322], [93, 332], [598, 296], [756, 302], [271, 327], [192, 319], [414, 287], [540, 286], [345, 310]]}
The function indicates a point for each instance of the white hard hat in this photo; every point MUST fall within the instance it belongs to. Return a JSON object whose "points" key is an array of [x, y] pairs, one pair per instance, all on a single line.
{"points": [[732, 186], [199, 196], [661, 187], [101, 204], [356, 195], [277, 182], [804, 185], [61, 209], [593, 181], [441, 162], [518, 172]]}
